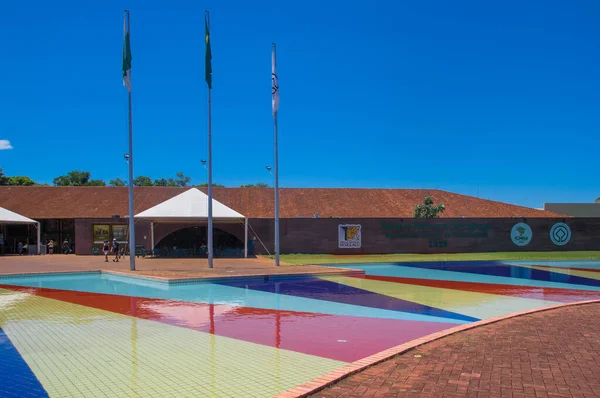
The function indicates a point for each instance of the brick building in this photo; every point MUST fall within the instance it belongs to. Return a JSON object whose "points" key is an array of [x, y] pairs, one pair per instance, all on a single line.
{"points": [[311, 220]]}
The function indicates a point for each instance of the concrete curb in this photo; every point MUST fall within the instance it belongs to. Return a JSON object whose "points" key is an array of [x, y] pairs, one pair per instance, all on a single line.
{"points": [[321, 382]]}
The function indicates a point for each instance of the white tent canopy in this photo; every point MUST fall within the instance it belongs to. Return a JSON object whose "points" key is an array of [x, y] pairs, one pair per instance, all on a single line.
{"points": [[190, 206], [10, 217]]}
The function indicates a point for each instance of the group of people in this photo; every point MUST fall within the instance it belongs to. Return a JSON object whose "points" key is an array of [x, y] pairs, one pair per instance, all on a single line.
{"points": [[23, 248], [111, 248]]}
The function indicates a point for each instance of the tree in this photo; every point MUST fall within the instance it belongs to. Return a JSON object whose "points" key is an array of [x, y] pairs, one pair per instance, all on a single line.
{"points": [[117, 182], [3, 178], [428, 209], [142, 181], [597, 200], [95, 183], [21, 181], [257, 185], [205, 184], [73, 178], [163, 182], [77, 178], [182, 180]]}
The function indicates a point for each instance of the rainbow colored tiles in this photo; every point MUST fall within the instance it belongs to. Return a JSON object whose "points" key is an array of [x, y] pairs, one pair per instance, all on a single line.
{"points": [[101, 335]]}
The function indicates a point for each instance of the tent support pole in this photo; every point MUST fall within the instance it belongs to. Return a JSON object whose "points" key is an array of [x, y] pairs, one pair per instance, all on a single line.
{"points": [[246, 237], [152, 236], [39, 238]]}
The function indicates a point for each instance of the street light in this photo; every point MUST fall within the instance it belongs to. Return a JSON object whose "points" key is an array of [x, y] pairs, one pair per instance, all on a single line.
{"points": [[269, 169]]}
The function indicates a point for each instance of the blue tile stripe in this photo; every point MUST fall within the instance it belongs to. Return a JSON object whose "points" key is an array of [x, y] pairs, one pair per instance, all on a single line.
{"points": [[340, 293], [16, 378]]}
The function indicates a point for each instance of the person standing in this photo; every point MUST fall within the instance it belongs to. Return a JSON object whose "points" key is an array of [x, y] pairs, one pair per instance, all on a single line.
{"points": [[51, 247], [115, 248], [105, 249], [20, 248]]}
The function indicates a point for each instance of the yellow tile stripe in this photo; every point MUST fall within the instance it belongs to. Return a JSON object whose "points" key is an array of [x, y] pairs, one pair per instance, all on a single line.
{"points": [[478, 305], [77, 351], [566, 271]]}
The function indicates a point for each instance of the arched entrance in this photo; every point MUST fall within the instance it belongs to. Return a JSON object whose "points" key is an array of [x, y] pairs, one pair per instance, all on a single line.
{"points": [[192, 241]]}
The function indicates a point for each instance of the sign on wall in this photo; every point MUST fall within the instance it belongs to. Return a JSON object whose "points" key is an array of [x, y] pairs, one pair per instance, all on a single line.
{"points": [[349, 236], [119, 232], [560, 234], [521, 234], [101, 233]]}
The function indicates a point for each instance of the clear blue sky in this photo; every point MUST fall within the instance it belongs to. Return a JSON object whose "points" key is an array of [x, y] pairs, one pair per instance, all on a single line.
{"points": [[424, 94]]}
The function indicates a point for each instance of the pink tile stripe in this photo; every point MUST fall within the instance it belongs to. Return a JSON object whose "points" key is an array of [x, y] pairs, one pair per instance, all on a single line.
{"points": [[330, 378]]}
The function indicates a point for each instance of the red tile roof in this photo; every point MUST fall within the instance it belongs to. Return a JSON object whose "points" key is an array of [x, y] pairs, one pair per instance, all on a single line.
{"points": [[103, 202]]}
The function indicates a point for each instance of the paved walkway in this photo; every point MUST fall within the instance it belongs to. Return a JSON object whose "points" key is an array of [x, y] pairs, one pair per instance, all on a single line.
{"points": [[172, 268], [548, 354]]}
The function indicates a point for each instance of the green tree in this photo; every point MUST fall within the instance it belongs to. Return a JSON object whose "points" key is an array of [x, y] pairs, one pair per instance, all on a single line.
{"points": [[95, 183], [21, 181], [182, 180], [205, 184], [428, 209], [3, 178], [73, 178], [257, 185], [597, 200], [77, 178], [142, 181], [163, 182], [117, 182]]}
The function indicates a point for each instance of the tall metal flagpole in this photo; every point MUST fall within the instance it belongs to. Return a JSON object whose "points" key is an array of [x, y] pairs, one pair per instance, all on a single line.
{"points": [[275, 100], [131, 210], [210, 195]]}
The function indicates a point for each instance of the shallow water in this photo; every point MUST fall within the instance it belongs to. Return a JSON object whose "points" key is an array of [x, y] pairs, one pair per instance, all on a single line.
{"points": [[103, 335]]}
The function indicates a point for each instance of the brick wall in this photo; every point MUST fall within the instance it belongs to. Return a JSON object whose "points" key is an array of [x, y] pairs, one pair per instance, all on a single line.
{"points": [[460, 235], [320, 236]]}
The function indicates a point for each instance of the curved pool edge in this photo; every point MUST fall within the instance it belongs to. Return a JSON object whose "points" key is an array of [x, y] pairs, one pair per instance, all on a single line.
{"points": [[324, 381]]}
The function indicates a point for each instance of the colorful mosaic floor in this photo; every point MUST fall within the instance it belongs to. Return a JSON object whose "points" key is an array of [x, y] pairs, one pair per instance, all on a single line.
{"points": [[92, 335]]}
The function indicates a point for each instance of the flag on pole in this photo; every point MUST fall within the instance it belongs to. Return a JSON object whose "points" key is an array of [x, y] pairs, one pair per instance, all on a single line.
{"points": [[126, 55], [274, 83], [208, 55]]}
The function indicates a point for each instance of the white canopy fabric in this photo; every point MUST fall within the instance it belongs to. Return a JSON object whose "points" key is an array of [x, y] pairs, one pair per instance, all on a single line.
{"points": [[192, 205], [10, 217]]}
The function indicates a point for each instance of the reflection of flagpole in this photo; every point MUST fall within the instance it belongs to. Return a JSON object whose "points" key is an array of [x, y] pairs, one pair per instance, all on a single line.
{"points": [[278, 337], [275, 104], [211, 309], [134, 333]]}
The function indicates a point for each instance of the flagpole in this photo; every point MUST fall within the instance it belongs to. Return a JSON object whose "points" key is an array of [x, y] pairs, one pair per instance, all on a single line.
{"points": [[210, 194], [131, 207], [276, 168]]}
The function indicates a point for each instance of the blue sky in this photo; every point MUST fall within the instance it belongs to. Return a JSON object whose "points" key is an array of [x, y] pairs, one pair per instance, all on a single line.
{"points": [[500, 99]]}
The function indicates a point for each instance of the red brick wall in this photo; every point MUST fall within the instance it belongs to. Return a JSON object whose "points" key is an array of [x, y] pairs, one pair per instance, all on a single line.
{"points": [[462, 235]]}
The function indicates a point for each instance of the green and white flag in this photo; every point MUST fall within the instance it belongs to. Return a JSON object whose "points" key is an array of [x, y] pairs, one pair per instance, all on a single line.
{"points": [[126, 55]]}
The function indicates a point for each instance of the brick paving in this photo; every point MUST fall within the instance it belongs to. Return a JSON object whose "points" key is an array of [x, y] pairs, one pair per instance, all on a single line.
{"points": [[552, 353], [156, 267]]}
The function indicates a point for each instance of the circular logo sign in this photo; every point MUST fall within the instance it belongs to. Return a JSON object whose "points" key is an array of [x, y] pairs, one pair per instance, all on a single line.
{"points": [[521, 234], [560, 234]]}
